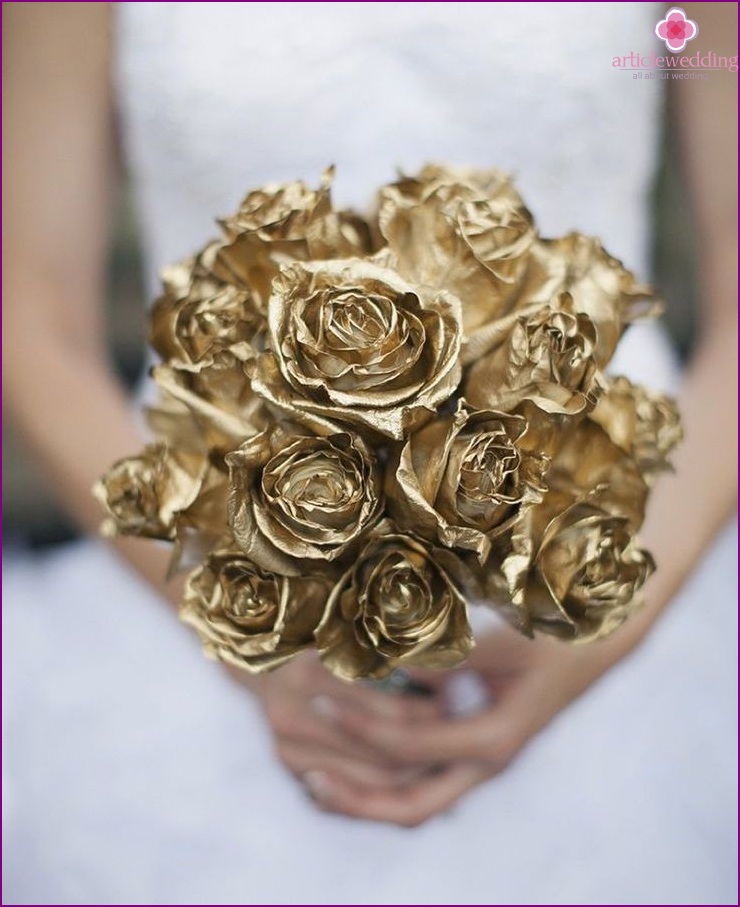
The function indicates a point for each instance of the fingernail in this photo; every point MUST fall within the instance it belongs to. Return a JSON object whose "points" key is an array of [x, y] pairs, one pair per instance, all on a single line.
{"points": [[326, 707], [318, 785]]}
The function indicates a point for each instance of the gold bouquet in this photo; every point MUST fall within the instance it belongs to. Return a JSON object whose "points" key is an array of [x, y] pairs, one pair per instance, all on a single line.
{"points": [[367, 425]]}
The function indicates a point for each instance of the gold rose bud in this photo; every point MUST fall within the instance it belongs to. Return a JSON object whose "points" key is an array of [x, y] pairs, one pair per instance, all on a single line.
{"points": [[401, 604], [296, 496], [213, 318], [462, 479], [547, 357], [144, 495], [465, 230], [575, 569], [600, 285], [354, 343], [204, 329], [643, 424], [248, 617], [282, 223]]}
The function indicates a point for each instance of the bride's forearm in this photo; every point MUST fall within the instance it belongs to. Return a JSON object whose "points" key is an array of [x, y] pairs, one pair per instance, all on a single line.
{"points": [[76, 421], [57, 176], [690, 505]]}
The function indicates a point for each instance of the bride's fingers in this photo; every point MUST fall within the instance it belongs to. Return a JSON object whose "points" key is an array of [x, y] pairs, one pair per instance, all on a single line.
{"points": [[314, 765], [296, 725], [304, 705], [409, 806], [491, 735], [389, 706], [293, 721]]}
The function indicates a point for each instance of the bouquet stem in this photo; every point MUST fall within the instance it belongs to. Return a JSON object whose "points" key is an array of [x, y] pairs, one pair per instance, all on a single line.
{"points": [[400, 683]]}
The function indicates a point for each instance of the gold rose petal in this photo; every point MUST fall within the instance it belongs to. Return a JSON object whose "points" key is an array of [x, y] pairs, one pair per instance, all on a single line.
{"points": [[268, 382], [201, 525], [255, 545], [176, 425], [230, 425], [587, 462], [465, 230]]}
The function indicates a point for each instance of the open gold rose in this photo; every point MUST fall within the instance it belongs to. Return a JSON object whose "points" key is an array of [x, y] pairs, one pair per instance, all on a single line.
{"points": [[353, 342]]}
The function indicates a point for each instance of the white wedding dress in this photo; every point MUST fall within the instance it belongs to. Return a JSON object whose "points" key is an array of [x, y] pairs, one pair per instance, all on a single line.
{"points": [[135, 771]]}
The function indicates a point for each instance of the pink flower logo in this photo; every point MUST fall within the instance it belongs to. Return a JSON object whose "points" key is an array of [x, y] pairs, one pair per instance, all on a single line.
{"points": [[676, 29]]}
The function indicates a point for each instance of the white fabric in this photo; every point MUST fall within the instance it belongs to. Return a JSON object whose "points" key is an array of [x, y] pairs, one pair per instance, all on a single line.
{"points": [[136, 772]]}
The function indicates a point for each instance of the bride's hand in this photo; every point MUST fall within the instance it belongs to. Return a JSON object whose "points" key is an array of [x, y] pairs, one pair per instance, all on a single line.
{"points": [[527, 681], [302, 701]]}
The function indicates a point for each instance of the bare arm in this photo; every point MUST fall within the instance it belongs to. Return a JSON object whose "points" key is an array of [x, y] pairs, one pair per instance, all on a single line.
{"points": [[58, 170], [689, 507]]}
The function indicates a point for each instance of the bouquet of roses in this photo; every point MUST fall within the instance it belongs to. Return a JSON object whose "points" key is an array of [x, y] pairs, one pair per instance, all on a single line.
{"points": [[366, 426]]}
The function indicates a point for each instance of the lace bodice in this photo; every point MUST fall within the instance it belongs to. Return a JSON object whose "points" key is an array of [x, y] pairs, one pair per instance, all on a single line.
{"points": [[218, 98]]}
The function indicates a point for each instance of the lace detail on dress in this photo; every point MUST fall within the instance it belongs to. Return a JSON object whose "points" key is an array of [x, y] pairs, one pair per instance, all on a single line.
{"points": [[218, 98]]}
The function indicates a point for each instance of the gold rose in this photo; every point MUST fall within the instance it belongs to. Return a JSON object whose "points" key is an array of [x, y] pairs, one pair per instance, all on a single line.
{"points": [[576, 570], [354, 343], [599, 284], [248, 617], [546, 358], [645, 425], [464, 478], [145, 495], [282, 223], [466, 231], [401, 603], [295, 496]]}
